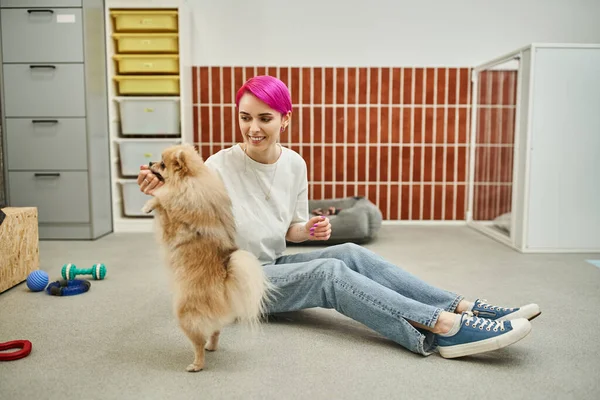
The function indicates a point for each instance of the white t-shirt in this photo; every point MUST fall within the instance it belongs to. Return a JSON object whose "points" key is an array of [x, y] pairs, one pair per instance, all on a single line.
{"points": [[262, 224]]}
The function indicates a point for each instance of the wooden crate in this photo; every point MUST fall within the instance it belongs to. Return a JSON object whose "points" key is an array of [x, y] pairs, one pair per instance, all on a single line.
{"points": [[19, 245]]}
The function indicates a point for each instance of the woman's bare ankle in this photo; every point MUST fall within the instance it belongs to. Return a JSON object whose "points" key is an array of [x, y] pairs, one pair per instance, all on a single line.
{"points": [[463, 306], [444, 323]]}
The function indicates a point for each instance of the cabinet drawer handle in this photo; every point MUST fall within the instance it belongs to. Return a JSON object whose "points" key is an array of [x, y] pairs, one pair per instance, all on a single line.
{"points": [[42, 66], [40, 11], [52, 174], [44, 121]]}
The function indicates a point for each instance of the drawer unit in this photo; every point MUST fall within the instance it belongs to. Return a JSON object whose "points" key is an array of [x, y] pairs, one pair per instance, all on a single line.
{"points": [[56, 143], [61, 196], [40, 3], [147, 63], [146, 42], [132, 154], [44, 90], [42, 35], [55, 121], [150, 85], [149, 117], [134, 200], [145, 20]]}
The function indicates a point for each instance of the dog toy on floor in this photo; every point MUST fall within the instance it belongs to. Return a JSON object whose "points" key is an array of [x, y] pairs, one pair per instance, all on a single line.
{"points": [[37, 280], [68, 288], [70, 271], [24, 345]]}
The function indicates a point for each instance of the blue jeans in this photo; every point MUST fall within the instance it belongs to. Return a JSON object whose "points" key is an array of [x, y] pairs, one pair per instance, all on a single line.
{"points": [[365, 287]]}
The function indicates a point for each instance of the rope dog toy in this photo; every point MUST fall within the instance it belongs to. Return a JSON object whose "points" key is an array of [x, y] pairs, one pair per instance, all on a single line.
{"points": [[68, 288], [24, 345]]}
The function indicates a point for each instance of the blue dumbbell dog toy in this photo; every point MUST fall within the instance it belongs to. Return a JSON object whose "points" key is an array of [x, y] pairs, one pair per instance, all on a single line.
{"points": [[70, 271]]}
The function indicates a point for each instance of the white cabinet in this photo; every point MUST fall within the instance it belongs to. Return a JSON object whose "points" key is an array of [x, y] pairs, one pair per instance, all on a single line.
{"points": [[535, 149]]}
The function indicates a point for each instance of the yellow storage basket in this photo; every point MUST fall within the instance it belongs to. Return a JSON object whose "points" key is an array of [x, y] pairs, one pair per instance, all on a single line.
{"points": [[150, 85], [146, 42], [145, 20], [147, 63]]}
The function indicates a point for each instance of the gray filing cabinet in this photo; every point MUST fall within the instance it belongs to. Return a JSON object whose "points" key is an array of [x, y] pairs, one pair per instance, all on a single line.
{"points": [[55, 115]]}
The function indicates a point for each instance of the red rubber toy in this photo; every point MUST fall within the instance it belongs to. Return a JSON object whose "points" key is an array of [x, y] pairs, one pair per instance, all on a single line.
{"points": [[24, 345]]}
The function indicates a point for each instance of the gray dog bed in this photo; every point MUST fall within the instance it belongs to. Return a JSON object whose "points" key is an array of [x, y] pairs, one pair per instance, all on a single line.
{"points": [[356, 220]]}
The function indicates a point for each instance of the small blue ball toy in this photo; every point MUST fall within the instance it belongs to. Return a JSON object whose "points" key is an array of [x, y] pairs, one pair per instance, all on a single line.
{"points": [[37, 281]]}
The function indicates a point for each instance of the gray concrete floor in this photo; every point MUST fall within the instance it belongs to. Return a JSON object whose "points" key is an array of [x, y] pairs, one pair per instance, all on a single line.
{"points": [[120, 340]]}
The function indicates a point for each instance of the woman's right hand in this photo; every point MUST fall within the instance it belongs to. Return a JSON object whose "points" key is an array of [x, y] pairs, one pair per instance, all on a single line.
{"points": [[147, 181]]}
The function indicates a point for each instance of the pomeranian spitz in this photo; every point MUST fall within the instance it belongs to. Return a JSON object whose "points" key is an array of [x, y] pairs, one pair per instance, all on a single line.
{"points": [[215, 283]]}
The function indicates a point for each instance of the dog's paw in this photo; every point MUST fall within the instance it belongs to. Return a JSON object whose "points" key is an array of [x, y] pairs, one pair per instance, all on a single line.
{"points": [[147, 210], [210, 347], [194, 368], [148, 207]]}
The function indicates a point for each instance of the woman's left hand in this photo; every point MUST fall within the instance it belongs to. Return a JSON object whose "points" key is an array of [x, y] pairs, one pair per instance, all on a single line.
{"points": [[318, 228]]}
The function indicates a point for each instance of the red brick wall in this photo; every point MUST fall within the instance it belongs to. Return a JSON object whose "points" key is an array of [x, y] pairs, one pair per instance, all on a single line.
{"points": [[396, 135]]}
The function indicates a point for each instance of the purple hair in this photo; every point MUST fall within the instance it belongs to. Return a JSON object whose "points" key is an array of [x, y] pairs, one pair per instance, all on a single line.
{"points": [[269, 90]]}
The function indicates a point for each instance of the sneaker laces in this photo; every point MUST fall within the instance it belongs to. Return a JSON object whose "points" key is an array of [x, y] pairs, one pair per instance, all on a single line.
{"points": [[481, 323], [483, 303]]}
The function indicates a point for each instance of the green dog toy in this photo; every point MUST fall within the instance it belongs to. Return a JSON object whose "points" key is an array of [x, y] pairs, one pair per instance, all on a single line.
{"points": [[70, 271]]}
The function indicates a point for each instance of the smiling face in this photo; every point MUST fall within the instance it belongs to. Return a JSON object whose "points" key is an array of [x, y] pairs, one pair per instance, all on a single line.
{"points": [[260, 125]]}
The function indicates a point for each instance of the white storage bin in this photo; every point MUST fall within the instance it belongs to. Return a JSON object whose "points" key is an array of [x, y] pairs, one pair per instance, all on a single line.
{"points": [[149, 116], [132, 154], [134, 200]]}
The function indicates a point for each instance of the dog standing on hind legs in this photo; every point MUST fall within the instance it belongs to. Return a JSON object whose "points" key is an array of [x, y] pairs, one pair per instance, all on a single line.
{"points": [[215, 283]]}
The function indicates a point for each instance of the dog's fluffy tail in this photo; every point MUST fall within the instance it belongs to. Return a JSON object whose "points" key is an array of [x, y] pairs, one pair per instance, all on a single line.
{"points": [[248, 288]]}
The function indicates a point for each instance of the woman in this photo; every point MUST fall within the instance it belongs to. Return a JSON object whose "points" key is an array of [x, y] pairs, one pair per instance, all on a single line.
{"points": [[268, 186]]}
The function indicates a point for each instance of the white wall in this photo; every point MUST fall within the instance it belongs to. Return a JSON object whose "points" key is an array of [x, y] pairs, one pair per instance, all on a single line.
{"points": [[382, 32]]}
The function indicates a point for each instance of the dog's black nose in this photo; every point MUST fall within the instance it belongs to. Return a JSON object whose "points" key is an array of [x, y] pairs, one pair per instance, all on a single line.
{"points": [[150, 164]]}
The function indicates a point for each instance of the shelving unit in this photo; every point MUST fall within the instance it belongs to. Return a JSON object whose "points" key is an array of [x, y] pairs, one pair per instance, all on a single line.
{"points": [[149, 69]]}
